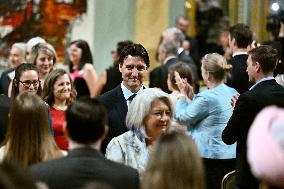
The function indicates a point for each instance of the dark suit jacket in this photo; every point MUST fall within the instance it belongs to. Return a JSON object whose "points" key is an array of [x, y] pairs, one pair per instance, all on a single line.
{"points": [[83, 165], [5, 103], [159, 76], [239, 78], [195, 69], [116, 106], [248, 105], [5, 81]]}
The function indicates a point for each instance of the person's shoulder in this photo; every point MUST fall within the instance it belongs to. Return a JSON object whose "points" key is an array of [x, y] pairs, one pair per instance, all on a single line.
{"points": [[123, 138], [7, 71], [155, 70], [46, 167], [5, 100], [120, 169], [230, 89], [109, 95]]}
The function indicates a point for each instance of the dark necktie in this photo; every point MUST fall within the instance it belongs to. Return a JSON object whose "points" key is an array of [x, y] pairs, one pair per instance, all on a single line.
{"points": [[131, 98]]}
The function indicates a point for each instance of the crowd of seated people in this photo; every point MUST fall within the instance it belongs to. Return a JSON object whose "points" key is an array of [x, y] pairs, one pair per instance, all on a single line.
{"points": [[72, 129]]}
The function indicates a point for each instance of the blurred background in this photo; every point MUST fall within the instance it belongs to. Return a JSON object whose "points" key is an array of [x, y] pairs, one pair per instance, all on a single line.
{"points": [[105, 22]]}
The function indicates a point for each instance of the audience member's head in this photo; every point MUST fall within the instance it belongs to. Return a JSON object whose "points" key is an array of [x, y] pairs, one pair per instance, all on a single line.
{"points": [[13, 176], [43, 56], [26, 79], [149, 114], [32, 42], [17, 54], [79, 53], [262, 59], [133, 64], [182, 23], [28, 138], [166, 49], [119, 47], [214, 68], [266, 146], [184, 71], [174, 163], [134, 50], [173, 34], [86, 121], [58, 86], [240, 36]]}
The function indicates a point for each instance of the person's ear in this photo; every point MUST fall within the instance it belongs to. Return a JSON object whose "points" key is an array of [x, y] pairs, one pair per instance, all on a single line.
{"points": [[234, 42], [257, 67], [105, 132], [120, 67]]}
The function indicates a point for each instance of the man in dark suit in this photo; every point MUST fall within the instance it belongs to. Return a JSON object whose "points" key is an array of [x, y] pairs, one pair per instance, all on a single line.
{"points": [[240, 38], [172, 39], [133, 65], [85, 130], [182, 23], [167, 56], [261, 64], [16, 57]]}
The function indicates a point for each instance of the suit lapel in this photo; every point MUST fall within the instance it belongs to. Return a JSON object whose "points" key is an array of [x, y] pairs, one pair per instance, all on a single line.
{"points": [[121, 106]]}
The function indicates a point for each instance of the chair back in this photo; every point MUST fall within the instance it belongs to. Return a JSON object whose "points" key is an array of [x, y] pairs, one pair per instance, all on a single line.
{"points": [[228, 181]]}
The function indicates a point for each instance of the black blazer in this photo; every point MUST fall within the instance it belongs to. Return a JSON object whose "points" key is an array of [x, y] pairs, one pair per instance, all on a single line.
{"points": [[159, 76], [5, 81], [5, 103], [238, 78], [83, 165], [116, 106], [248, 105]]}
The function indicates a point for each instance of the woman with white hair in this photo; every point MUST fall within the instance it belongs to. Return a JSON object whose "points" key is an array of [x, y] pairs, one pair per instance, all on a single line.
{"points": [[148, 117]]}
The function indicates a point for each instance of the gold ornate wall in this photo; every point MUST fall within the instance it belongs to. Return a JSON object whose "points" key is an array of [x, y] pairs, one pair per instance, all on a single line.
{"points": [[257, 13], [151, 21]]}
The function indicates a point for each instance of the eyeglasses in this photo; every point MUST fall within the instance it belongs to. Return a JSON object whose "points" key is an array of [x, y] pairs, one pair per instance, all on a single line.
{"points": [[28, 83]]}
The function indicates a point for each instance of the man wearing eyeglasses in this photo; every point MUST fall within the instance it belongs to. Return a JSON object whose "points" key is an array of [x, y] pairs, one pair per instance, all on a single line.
{"points": [[133, 65]]}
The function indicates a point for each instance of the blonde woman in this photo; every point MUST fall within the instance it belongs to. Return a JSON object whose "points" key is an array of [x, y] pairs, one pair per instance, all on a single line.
{"points": [[43, 56], [207, 116]]}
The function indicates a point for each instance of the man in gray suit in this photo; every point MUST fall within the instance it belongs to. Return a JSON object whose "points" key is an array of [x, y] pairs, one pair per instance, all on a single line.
{"points": [[86, 128]]}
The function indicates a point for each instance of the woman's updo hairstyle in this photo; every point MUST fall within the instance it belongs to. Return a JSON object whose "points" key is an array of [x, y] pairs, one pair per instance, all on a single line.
{"points": [[216, 65]]}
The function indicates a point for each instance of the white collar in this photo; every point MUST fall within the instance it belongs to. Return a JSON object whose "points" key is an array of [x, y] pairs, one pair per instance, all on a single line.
{"points": [[127, 93], [263, 79], [168, 58], [239, 53]]}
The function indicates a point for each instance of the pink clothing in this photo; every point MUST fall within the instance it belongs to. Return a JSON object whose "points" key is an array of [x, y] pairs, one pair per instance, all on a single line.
{"points": [[76, 74], [265, 146], [58, 120]]}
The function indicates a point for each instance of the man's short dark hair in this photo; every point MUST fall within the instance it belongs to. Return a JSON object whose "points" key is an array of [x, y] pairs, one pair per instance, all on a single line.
{"points": [[121, 44], [86, 120], [266, 56], [134, 50], [242, 34]]}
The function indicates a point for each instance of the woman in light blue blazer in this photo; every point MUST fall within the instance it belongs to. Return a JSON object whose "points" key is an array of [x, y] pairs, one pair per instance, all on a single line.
{"points": [[207, 116]]}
